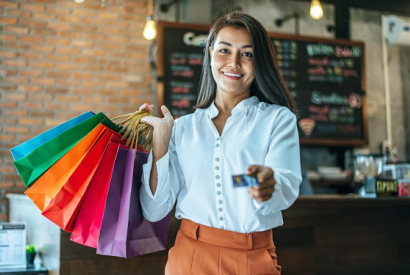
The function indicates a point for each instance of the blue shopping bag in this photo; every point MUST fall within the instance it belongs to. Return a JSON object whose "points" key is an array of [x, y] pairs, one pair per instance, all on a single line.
{"points": [[32, 144]]}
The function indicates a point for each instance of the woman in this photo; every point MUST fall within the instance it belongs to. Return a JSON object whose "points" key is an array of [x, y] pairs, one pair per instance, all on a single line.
{"points": [[243, 123]]}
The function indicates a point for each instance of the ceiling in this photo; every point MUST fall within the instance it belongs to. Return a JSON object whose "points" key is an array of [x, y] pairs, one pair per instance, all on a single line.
{"points": [[342, 14], [399, 7]]}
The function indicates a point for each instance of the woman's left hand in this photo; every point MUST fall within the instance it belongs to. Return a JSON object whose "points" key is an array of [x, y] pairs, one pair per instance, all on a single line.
{"points": [[266, 181]]}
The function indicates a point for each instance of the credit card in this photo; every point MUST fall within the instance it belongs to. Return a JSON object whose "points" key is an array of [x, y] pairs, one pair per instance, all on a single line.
{"points": [[245, 180]]}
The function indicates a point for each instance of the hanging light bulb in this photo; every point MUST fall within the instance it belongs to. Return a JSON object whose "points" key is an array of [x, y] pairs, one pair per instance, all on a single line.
{"points": [[79, 1], [150, 31], [316, 11]]}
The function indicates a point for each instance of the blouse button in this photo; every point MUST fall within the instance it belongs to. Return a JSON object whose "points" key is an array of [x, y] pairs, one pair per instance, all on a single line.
{"points": [[217, 159], [217, 177], [216, 167], [221, 218], [221, 227], [218, 138], [218, 184], [220, 209], [218, 193], [220, 201], [217, 145]]}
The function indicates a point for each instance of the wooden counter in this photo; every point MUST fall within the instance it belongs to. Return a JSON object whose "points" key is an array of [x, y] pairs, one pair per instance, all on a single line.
{"points": [[322, 235], [334, 235]]}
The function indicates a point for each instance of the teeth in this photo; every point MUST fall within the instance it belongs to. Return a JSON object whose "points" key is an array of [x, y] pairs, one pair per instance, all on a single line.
{"points": [[234, 75]]}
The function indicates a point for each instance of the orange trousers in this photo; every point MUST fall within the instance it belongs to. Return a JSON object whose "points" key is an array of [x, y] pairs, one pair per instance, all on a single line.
{"points": [[203, 250]]}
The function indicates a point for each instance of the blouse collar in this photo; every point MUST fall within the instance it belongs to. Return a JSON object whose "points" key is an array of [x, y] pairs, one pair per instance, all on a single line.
{"points": [[244, 105]]}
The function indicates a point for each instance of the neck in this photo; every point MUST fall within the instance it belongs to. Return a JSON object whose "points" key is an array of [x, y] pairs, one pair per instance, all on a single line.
{"points": [[225, 102]]}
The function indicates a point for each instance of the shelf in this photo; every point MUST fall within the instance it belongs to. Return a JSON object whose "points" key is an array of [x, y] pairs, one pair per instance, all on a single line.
{"points": [[331, 182]]}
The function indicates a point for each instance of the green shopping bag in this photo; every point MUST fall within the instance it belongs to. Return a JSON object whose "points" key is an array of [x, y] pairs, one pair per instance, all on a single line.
{"points": [[33, 165]]}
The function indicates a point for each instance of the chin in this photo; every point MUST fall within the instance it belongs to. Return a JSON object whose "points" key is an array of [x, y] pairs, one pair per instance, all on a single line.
{"points": [[228, 89]]}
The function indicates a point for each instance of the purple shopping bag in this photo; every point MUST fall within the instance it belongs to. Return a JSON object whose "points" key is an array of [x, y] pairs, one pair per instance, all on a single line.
{"points": [[124, 230]]}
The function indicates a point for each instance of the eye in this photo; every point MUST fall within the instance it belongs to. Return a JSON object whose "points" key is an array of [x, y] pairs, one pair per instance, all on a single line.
{"points": [[248, 54], [224, 50]]}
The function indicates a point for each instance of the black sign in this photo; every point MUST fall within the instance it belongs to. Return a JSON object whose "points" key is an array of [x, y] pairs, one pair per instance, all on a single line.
{"points": [[182, 56], [324, 76], [387, 187]]}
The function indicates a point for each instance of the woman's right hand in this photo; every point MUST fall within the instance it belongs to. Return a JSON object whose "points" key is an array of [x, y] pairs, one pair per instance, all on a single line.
{"points": [[160, 140], [165, 123]]}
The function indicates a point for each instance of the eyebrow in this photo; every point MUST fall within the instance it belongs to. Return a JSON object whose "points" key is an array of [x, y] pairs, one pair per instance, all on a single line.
{"points": [[230, 45]]}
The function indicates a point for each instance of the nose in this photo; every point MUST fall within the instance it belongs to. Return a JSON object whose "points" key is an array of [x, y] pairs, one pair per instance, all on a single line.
{"points": [[234, 61]]}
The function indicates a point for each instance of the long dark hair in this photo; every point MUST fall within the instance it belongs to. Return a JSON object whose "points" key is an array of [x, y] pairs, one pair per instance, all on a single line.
{"points": [[269, 85]]}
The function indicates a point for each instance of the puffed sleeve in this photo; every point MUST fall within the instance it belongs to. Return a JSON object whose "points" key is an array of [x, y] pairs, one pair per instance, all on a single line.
{"points": [[283, 157], [170, 177]]}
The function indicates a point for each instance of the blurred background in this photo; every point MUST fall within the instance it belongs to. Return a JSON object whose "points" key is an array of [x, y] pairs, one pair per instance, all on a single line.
{"points": [[346, 63]]}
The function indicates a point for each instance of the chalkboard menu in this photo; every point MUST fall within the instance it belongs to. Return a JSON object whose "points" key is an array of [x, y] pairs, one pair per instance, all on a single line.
{"points": [[324, 76], [183, 50]]}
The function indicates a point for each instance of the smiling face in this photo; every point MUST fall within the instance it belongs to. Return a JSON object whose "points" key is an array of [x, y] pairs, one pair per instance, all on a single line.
{"points": [[232, 61]]}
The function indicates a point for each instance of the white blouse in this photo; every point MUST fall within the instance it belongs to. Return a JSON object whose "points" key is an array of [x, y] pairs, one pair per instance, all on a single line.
{"points": [[196, 171]]}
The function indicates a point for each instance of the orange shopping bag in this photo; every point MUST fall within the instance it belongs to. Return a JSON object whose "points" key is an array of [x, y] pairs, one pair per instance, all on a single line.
{"points": [[47, 186], [63, 209]]}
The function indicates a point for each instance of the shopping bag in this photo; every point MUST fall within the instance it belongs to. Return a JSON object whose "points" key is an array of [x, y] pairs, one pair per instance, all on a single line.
{"points": [[28, 146], [33, 165], [63, 209], [124, 230], [87, 225], [47, 185]]}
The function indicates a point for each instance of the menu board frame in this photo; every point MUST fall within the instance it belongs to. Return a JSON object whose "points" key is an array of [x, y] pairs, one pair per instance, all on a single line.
{"points": [[160, 99]]}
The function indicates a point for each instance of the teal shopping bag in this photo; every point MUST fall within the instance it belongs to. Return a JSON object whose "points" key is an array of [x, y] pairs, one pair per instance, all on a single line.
{"points": [[33, 165], [28, 146]]}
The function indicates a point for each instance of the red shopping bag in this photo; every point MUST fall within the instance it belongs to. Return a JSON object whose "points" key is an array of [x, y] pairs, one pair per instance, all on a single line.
{"points": [[88, 223], [63, 209]]}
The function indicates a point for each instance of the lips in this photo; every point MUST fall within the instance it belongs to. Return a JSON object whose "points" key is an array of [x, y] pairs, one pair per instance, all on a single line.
{"points": [[232, 75]]}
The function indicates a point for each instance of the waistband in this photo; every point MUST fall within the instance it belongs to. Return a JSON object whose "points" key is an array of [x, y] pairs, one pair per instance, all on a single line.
{"points": [[226, 238]]}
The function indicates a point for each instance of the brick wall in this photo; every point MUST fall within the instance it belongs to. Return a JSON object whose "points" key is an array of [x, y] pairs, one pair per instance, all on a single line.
{"points": [[59, 59]]}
